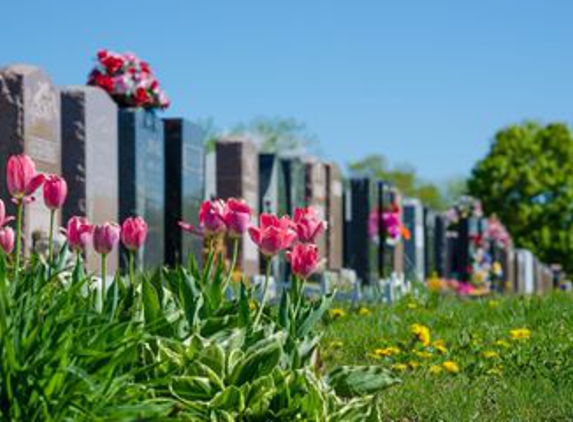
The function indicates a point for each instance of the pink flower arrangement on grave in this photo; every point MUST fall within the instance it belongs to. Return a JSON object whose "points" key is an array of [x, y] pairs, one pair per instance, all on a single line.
{"points": [[391, 223], [497, 233], [128, 79]]}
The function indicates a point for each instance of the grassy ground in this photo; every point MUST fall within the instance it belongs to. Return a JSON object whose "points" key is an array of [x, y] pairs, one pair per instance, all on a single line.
{"points": [[490, 374]]}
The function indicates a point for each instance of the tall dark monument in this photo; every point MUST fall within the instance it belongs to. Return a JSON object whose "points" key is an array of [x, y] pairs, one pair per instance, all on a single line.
{"points": [[184, 188], [142, 178], [29, 123], [90, 160]]}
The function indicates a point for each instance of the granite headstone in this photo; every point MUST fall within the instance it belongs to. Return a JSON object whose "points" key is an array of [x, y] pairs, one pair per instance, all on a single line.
{"points": [[90, 159], [29, 123], [335, 217], [142, 178], [184, 188]]}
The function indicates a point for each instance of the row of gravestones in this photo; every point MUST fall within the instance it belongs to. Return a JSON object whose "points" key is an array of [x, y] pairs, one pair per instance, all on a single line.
{"points": [[123, 162], [117, 163]]}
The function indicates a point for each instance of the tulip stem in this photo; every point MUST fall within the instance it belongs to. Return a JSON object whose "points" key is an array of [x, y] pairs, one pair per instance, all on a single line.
{"points": [[300, 294], [265, 288], [50, 242], [234, 259], [132, 267], [103, 278], [20, 209]]}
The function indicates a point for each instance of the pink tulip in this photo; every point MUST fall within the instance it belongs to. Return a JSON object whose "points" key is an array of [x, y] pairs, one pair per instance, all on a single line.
{"points": [[106, 237], [273, 234], [55, 191], [22, 178], [3, 218], [79, 233], [308, 224], [133, 233], [7, 240], [237, 217], [304, 259], [211, 217]]}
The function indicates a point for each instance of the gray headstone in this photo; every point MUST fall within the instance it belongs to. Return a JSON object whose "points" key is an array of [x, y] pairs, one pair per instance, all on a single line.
{"points": [[29, 123], [90, 159]]}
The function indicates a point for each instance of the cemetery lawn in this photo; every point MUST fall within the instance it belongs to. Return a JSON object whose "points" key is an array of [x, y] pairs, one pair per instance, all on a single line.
{"points": [[500, 358]]}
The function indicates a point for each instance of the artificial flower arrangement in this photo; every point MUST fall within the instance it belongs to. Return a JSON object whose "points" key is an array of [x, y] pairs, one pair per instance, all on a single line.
{"points": [[496, 233], [466, 207], [391, 222], [128, 80]]}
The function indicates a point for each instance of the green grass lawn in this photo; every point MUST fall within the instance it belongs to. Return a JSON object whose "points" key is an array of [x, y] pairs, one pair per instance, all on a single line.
{"points": [[500, 377]]}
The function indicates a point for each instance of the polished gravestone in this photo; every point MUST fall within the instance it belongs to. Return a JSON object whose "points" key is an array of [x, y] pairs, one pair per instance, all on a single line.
{"points": [[430, 259], [272, 200], [361, 250], [184, 188], [90, 159], [29, 123], [237, 175], [142, 178], [335, 217], [414, 265], [315, 195], [294, 176]]}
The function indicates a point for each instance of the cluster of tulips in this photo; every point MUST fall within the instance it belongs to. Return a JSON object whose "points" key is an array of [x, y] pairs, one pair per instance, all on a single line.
{"points": [[296, 236], [23, 183], [274, 234]]}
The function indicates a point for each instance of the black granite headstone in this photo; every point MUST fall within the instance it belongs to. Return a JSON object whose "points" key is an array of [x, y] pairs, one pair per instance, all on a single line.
{"points": [[90, 160], [142, 178], [184, 188]]}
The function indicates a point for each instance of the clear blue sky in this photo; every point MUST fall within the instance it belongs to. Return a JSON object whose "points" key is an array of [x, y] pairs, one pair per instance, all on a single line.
{"points": [[425, 82]]}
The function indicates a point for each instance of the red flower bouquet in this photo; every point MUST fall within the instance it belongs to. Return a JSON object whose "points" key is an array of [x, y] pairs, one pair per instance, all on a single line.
{"points": [[128, 80]]}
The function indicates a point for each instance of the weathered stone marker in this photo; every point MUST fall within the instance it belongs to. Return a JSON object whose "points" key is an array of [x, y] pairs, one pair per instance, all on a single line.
{"points": [[29, 123], [90, 160]]}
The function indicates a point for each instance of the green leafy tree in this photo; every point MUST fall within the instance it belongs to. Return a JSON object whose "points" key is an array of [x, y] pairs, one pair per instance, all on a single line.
{"points": [[527, 180]]}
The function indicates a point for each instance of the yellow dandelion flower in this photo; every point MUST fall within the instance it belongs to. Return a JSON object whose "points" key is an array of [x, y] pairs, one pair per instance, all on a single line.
{"points": [[503, 343], [364, 311], [440, 346], [387, 351], [422, 333], [399, 367], [424, 354], [252, 305], [337, 313], [413, 364], [490, 354], [336, 344], [451, 366], [520, 334], [435, 369]]}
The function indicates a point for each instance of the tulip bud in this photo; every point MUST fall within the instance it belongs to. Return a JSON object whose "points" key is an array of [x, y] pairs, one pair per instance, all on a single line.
{"points": [[273, 234], [308, 224], [133, 233], [79, 233], [304, 259], [211, 217], [21, 175], [7, 240], [55, 192], [237, 217], [106, 237]]}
